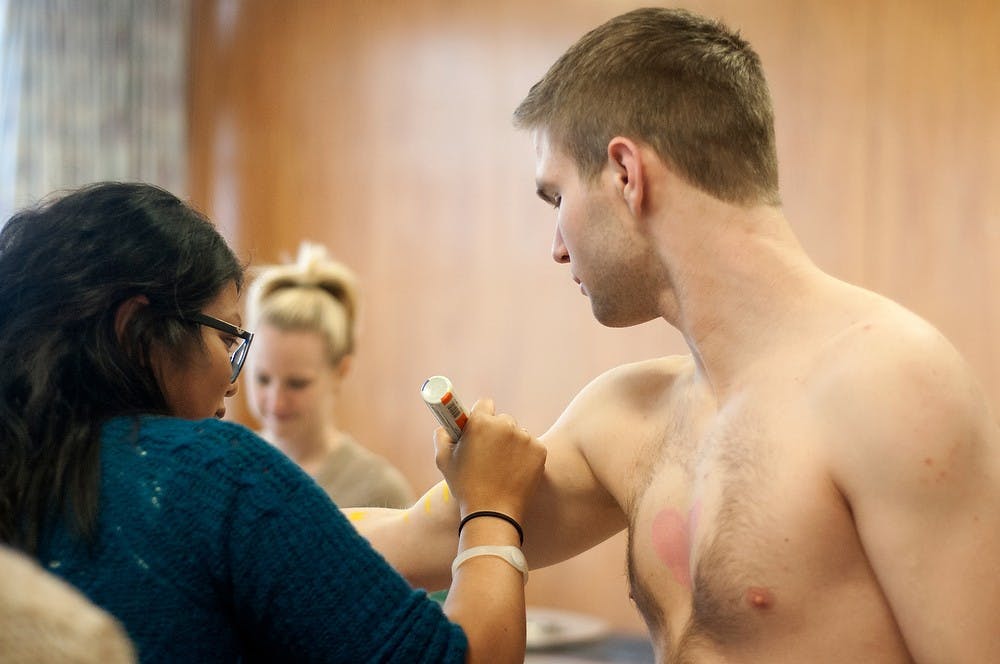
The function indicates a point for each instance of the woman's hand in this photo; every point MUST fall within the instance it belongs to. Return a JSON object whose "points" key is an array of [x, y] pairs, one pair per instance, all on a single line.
{"points": [[495, 466]]}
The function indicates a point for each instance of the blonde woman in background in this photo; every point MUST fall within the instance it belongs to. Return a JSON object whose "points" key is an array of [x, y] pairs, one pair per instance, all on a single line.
{"points": [[305, 319]]}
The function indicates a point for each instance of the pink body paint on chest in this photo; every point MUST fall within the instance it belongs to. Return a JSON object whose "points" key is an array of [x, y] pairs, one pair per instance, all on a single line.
{"points": [[673, 534]]}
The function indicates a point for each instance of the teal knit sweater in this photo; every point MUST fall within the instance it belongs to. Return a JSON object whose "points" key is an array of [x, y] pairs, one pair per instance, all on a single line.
{"points": [[212, 546]]}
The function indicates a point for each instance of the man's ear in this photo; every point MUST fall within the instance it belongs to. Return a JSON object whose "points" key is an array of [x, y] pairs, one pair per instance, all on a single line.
{"points": [[126, 311], [626, 160]]}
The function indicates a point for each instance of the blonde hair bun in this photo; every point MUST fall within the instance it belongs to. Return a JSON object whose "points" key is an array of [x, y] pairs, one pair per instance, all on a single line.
{"points": [[314, 293]]}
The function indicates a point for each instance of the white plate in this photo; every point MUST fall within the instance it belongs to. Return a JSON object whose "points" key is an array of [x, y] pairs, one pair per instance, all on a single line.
{"points": [[551, 628]]}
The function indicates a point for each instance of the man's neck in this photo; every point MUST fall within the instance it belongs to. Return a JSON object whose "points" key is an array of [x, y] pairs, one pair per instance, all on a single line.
{"points": [[741, 281]]}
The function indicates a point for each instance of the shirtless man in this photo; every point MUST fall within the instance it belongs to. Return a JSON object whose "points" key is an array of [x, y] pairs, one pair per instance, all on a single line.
{"points": [[819, 480]]}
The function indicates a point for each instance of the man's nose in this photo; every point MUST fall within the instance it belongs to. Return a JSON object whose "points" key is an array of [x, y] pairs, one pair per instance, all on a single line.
{"points": [[559, 252]]}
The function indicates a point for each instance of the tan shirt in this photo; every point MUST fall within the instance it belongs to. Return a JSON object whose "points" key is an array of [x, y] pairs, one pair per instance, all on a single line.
{"points": [[354, 476]]}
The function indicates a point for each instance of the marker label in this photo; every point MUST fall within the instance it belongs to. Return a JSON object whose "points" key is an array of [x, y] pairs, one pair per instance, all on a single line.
{"points": [[439, 396]]}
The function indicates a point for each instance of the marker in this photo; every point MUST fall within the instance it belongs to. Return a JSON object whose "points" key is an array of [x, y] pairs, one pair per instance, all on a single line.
{"points": [[439, 396]]}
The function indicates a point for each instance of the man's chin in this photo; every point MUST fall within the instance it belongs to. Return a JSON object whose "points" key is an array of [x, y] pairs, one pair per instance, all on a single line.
{"points": [[609, 317]]}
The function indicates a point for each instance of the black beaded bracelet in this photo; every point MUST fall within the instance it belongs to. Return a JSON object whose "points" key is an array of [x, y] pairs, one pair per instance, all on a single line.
{"points": [[500, 515]]}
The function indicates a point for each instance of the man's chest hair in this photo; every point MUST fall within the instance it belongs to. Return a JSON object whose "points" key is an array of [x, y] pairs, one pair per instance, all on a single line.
{"points": [[711, 518]]}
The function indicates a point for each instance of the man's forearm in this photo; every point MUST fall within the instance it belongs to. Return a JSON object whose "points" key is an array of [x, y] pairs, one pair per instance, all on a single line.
{"points": [[420, 542]]}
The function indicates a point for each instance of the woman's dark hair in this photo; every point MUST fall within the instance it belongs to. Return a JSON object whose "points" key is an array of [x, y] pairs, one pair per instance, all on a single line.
{"points": [[66, 266]]}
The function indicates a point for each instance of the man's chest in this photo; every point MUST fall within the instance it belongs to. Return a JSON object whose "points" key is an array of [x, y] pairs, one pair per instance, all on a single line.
{"points": [[731, 521]]}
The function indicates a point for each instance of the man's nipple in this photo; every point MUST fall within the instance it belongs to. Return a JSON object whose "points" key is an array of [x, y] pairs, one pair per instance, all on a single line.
{"points": [[759, 598]]}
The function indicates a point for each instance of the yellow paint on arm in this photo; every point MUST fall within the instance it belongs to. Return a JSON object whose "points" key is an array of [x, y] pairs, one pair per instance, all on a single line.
{"points": [[445, 497]]}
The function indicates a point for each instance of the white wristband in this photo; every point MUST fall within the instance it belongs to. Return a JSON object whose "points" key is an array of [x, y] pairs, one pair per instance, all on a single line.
{"points": [[510, 554]]}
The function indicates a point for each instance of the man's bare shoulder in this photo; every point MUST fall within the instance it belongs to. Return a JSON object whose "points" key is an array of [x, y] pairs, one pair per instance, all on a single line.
{"points": [[914, 449], [654, 374], [593, 446], [613, 415], [894, 389], [893, 355], [632, 387]]}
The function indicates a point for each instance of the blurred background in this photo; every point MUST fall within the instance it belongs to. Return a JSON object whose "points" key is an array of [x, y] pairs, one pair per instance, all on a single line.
{"points": [[381, 128]]}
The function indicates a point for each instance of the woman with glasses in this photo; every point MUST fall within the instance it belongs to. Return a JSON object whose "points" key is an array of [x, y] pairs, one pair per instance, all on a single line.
{"points": [[305, 314], [120, 338]]}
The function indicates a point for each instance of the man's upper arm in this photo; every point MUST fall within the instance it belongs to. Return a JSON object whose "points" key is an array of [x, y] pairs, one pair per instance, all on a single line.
{"points": [[570, 511], [919, 463], [594, 448]]}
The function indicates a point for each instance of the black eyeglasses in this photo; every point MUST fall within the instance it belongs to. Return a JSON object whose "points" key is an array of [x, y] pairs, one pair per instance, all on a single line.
{"points": [[239, 355]]}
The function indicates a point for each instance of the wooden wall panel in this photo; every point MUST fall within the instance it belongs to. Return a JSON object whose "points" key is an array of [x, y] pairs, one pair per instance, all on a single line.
{"points": [[382, 129]]}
